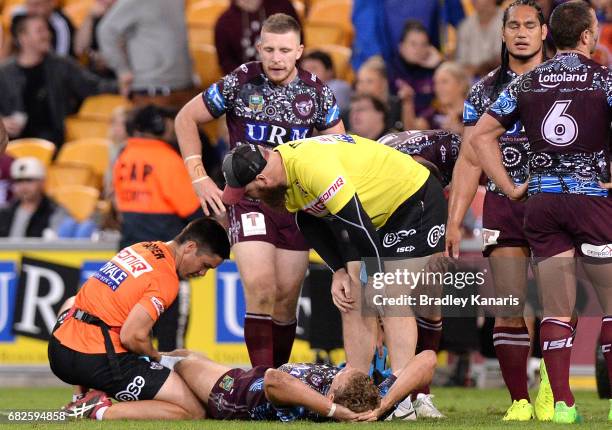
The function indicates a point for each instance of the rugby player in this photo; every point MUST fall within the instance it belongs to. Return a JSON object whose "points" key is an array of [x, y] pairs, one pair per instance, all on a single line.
{"points": [[353, 198], [266, 103], [99, 341], [565, 105], [504, 242]]}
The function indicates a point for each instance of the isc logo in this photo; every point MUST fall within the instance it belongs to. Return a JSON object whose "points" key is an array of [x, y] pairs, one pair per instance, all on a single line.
{"points": [[558, 344]]}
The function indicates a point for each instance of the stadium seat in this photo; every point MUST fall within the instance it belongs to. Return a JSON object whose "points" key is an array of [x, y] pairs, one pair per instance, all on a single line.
{"points": [[341, 56], [77, 11], [79, 200], [60, 174], [322, 33], [101, 107], [32, 147], [206, 64], [201, 17], [336, 13], [81, 128], [92, 152]]}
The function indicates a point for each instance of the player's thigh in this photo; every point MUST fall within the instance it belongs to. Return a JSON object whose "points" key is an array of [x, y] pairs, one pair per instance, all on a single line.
{"points": [[290, 271], [256, 264], [509, 267], [200, 374], [556, 278], [175, 390]]}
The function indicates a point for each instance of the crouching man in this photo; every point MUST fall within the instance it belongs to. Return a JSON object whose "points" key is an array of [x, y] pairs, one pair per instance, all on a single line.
{"points": [[100, 341]]}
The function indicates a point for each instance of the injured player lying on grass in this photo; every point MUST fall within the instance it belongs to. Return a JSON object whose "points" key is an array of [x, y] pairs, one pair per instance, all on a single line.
{"points": [[290, 392]]}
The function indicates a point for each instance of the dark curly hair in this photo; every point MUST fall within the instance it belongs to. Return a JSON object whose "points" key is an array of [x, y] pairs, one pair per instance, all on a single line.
{"points": [[359, 394]]}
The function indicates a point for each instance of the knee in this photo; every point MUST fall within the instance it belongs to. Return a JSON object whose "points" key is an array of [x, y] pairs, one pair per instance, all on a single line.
{"points": [[509, 322], [260, 292], [429, 361]]}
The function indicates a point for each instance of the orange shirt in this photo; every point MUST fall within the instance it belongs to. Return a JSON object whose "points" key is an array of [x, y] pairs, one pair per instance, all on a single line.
{"points": [[143, 274], [149, 177]]}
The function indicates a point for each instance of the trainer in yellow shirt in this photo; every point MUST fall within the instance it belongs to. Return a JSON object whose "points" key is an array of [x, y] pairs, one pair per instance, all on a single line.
{"points": [[353, 198]]}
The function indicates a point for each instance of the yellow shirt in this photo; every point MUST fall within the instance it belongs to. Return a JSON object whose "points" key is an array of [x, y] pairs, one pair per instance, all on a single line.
{"points": [[324, 172]]}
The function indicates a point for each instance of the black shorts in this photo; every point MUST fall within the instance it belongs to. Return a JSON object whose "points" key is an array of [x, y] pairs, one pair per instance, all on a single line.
{"points": [[417, 227], [140, 379]]}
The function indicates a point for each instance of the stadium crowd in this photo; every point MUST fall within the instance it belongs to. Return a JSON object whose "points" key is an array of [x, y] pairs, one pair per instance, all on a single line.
{"points": [[119, 117]]}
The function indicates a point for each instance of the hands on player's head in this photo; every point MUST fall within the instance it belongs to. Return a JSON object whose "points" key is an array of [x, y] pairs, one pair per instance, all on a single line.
{"points": [[355, 390]]}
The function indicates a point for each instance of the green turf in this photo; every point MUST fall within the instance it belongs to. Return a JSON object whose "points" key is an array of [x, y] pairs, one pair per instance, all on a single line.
{"points": [[466, 409]]}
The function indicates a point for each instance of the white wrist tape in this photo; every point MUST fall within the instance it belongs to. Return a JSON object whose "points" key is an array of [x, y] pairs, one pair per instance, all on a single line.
{"points": [[332, 410]]}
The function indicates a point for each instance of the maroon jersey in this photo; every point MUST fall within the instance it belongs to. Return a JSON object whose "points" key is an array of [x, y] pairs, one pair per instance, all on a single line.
{"points": [[513, 144], [565, 105], [261, 112], [439, 147]]}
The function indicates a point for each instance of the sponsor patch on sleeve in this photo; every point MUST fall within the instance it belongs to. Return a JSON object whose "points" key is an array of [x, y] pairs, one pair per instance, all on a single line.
{"points": [[158, 305]]}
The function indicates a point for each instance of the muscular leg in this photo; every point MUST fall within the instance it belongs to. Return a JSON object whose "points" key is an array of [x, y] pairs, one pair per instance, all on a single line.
{"points": [[358, 331], [290, 270], [509, 267], [174, 401], [200, 374], [557, 282], [257, 269]]}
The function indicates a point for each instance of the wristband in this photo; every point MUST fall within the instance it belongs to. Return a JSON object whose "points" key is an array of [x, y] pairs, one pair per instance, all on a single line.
{"points": [[192, 157], [332, 410], [203, 178]]}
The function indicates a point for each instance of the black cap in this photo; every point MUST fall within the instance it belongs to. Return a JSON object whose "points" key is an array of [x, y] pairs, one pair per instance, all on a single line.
{"points": [[241, 166]]}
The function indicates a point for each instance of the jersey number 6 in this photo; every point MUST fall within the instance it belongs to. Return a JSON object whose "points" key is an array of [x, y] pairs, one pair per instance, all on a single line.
{"points": [[559, 128]]}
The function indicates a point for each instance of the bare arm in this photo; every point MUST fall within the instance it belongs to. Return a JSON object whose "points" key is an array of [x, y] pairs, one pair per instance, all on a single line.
{"points": [[186, 125], [466, 175], [283, 389], [485, 143], [3, 138], [135, 333]]}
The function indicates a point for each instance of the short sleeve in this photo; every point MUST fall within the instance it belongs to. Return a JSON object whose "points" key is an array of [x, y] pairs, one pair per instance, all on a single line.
{"points": [[220, 96], [505, 109], [159, 295], [328, 182], [609, 88], [472, 106], [329, 114]]}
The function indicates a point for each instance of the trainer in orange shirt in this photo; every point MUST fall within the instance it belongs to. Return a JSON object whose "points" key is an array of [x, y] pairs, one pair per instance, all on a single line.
{"points": [[100, 342]]}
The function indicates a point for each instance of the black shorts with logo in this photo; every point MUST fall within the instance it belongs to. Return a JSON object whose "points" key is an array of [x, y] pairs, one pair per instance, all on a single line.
{"points": [[140, 379], [417, 227]]}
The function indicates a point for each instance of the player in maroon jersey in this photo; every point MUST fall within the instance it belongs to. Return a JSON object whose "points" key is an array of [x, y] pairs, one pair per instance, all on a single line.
{"points": [[267, 103], [504, 240], [565, 105]]}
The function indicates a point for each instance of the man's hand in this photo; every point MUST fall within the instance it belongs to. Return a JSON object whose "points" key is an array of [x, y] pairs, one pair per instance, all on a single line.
{"points": [[341, 291], [210, 197], [344, 414], [519, 192], [370, 415], [453, 241], [125, 83], [607, 185]]}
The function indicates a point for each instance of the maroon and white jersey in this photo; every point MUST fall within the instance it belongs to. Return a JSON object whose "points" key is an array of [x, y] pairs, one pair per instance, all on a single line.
{"points": [[565, 105], [439, 147], [261, 112]]}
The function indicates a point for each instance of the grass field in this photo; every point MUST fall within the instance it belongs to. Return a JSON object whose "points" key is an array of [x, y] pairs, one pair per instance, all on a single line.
{"points": [[465, 408]]}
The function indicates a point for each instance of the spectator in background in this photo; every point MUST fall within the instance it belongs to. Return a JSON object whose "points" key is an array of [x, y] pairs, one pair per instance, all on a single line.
{"points": [[4, 138], [372, 80], [39, 89], [145, 43], [411, 72], [31, 212], [237, 30], [368, 117], [451, 85], [379, 25], [478, 38], [5, 179], [86, 44], [62, 30], [321, 64]]}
